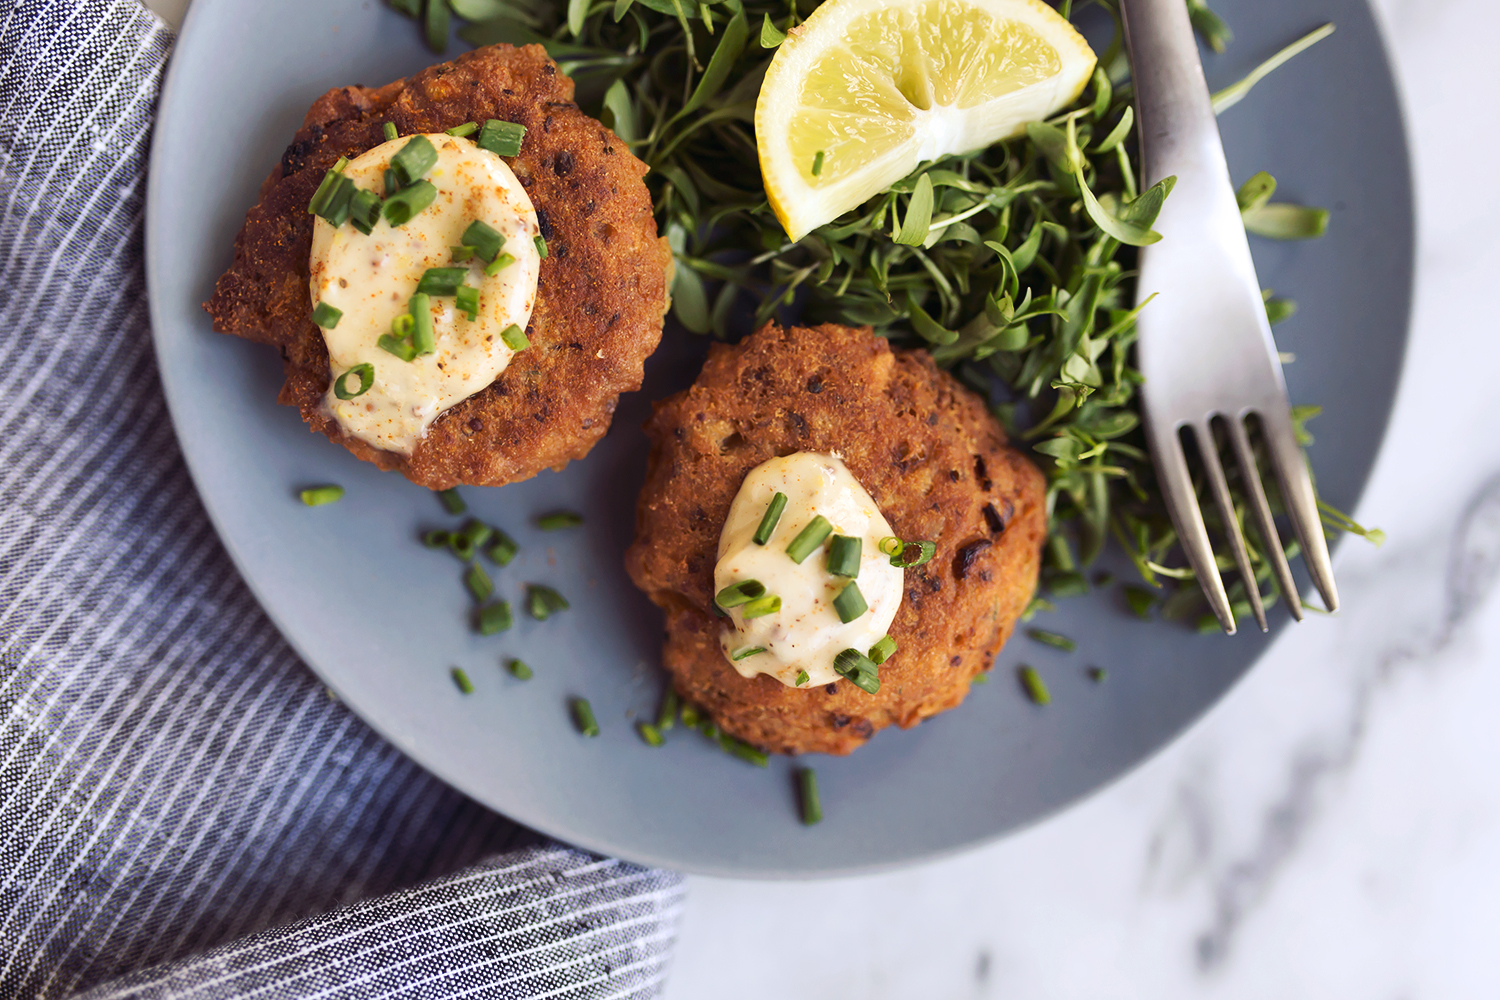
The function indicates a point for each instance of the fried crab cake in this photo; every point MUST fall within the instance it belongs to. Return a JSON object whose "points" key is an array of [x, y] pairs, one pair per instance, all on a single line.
{"points": [[928, 454], [601, 292]]}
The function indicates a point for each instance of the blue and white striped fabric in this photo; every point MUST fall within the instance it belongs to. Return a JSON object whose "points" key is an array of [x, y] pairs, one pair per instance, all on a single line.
{"points": [[184, 811]]}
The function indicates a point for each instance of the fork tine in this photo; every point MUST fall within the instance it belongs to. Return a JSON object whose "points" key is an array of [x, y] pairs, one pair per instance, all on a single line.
{"points": [[1208, 451], [1301, 502], [1263, 520], [1182, 503]]}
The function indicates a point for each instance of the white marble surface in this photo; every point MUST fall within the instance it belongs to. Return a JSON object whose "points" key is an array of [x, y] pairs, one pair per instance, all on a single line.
{"points": [[1332, 829]]}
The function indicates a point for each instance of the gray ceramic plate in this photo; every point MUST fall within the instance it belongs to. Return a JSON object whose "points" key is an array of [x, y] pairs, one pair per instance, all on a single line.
{"points": [[382, 620]]}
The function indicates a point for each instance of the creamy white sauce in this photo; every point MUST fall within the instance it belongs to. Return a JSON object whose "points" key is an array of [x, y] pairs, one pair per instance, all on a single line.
{"points": [[806, 633], [372, 278]]}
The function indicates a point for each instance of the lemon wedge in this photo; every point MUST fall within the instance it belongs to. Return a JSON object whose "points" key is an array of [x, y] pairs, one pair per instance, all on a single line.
{"points": [[864, 90]]}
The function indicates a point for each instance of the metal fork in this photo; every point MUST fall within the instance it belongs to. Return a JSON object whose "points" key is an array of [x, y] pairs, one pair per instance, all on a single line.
{"points": [[1205, 345]]}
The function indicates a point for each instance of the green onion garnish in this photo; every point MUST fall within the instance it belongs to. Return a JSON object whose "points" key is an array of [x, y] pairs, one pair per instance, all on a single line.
{"points": [[364, 210], [415, 159], [459, 254], [541, 246], [494, 618], [402, 349], [327, 316], [769, 519], [544, 602], [583, 717], [689, 715], [980, 679], [401, 205], [809, 538], [422, 337], [500, 263], [807, 787], [1031, 683], [460, 546], [760, 607], [462, 680], [890, 545], [459, 131], [485, 239], [390, 131], [476, 533], [503, 549], [859, 669], [843, 555], [452, 502], [436, 539], [335, 208], [479, 583], [666, 715], [515, 338], [440, 281], [748, 651], [1052, 639], [743, 750], [817, 167], [882, 650], [736, 594], [650, 734], [906, 560], [364, 372], [1097, 674], [559, 519], [466, 301], [501, 138], [519, 670], [850, 603], [391, 184], [707, 727], [317, 496], [319, 200], [802, 677]]}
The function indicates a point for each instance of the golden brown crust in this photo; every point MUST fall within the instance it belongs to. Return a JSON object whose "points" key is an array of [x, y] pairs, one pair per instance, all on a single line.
{"points": [[602, 291], [929, 454]]}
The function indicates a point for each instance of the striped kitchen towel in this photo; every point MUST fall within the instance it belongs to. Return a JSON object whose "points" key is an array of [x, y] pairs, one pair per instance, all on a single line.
{"points": [[184, 811]]}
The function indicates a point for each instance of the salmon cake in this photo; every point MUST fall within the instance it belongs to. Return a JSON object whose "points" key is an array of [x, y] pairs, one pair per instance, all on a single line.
{"points": [[471, 304], [838, 533]]}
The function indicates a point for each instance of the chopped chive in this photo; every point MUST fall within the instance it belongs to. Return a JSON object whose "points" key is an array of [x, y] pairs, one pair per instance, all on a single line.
{"points": [[544, 602], [883, 650], [817, 167], [401, 205], [364, 372], [501, 138], [518, 670], [746, 653], [515, 338], [1031, 683], [391, 184], [364, 210], [1097, 674], [436, 539], [809, 538], [436, 19], [414, 160], [317, 496], [708, 728], [583, 717], [459, 254], [484, 238], [479, 583], [460, 546], [452, 502], [441, 280], [500, 263], [326, 316], [666, 715], [462, 680], [980, 679], [422, 338], [466, 301], [736, 594], [650, 734], [559, 519], [494, 617], [459, 131], [850, 603], [843, 555], [335, 209], [541, 246], [503, 549], [859, 669], [807, 788], [1061, 642], [890, 545], [400, 348], [743, 750], [1140, 600], [769, 519], [331, 178], [802, 677], [689, 715], [476, 533], [390, 131], [760, 607], [925, 552]]}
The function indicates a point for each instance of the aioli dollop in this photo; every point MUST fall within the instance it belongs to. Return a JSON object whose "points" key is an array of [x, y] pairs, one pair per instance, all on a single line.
{"points": [[806, 634], [372, 279]]}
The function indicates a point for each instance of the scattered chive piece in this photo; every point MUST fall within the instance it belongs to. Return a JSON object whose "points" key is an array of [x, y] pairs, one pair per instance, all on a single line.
{"points": [[485, 240], [1061, 642], [459, 254], [817, 167], [843, 555], [850, 603], [1097, 674], [503, 549], [441, 280], [414, 160], [519, 670], [925, 552], [364, 372], [544, 602], [501, 138], [882, 650], [391, 184], [515, 338], [422, 338], [335, 208], [459, 131], [435, 23], [541, 245], [495, 617], [743, 750], [317, 496], [476, 533], [689, 715], [402, 349], [390, 131], [452, 502], [402, 204], [467, 301], [559, 519], [980, 679], [809, 538], [707, 728], [364, 210], [746, 653], [760, 607], [650, 734], [462, 680], [500, 263], [1140, 600], [1031, 683], [768, 521], [807, 787], [583, 717], [858, 669], [736, 594], [479, 583], [802, 677], [890, 545], [460, 545], [666, 716], [326, 316], [436, 539], [319, 200]]}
